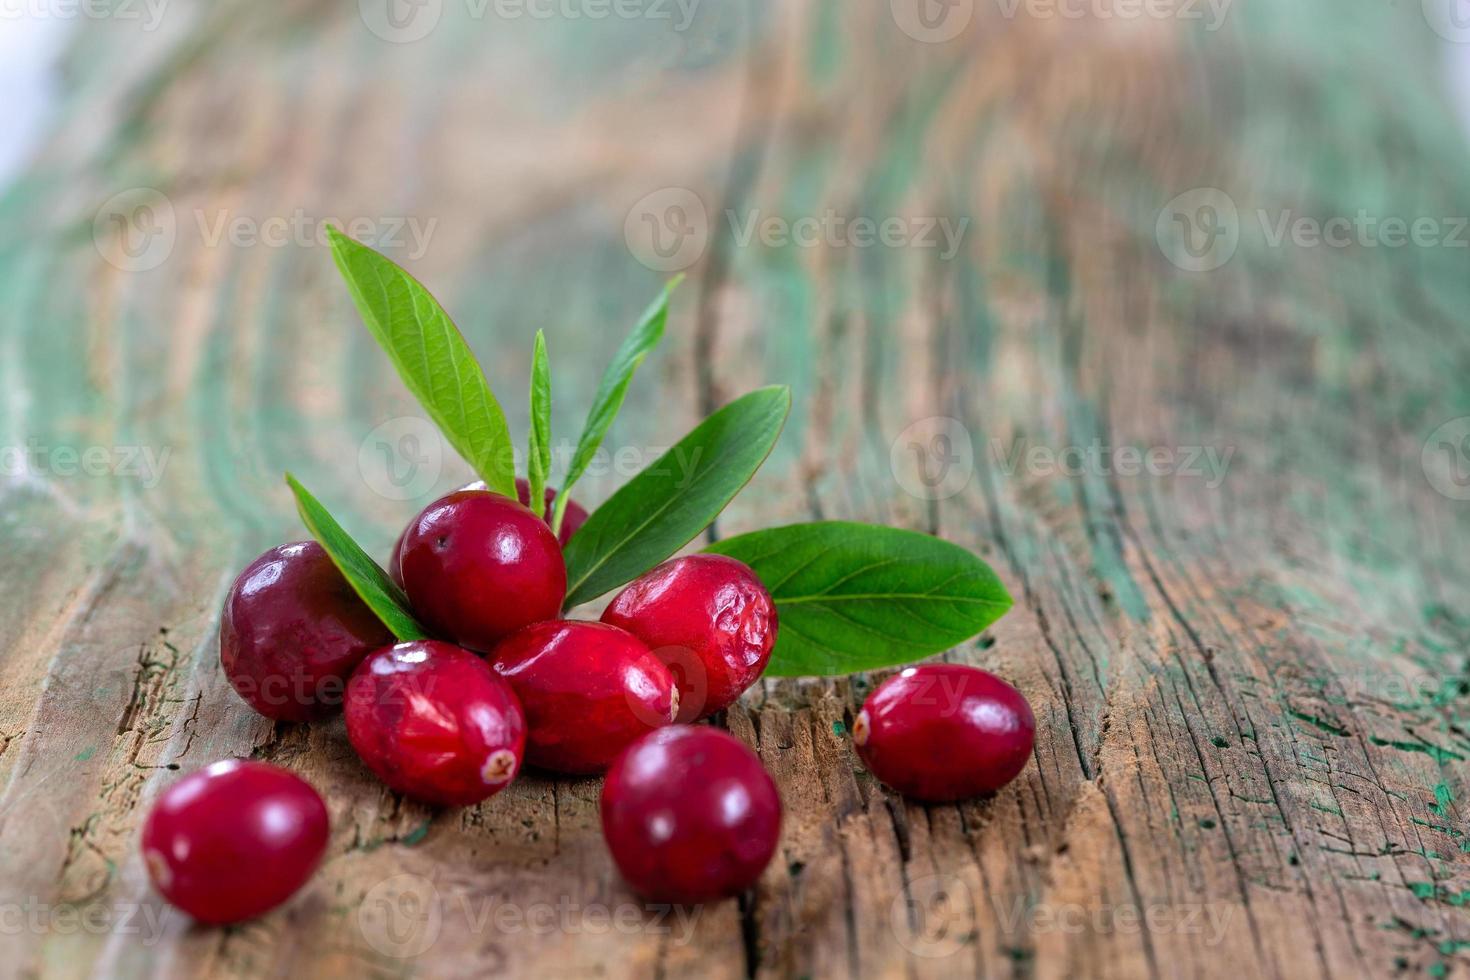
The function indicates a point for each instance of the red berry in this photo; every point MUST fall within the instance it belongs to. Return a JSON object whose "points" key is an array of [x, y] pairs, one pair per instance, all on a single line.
{"points": [[574, 518], [435, 723], [690, 815], [292, 632], [588, 690], [709, 619], [944, 732], [478, 566], [234, 840]]}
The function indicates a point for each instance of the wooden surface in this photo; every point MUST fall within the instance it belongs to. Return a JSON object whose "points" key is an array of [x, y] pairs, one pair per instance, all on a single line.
{"points": [[1250, 689]]}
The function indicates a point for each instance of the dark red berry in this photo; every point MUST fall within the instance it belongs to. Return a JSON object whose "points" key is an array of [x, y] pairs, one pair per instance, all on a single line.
{"points": [[234, 840], [709, 619], [435, 723], [478, 566], [588, 690], [944, 732], [690, 815], [574, 518], [292, 632]]}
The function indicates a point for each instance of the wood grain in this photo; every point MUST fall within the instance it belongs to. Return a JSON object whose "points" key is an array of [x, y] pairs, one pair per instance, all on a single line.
{"points": [[1249, 668]]}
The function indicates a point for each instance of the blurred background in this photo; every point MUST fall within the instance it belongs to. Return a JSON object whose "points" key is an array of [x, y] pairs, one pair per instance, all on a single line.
{"points": [[988, 243]]}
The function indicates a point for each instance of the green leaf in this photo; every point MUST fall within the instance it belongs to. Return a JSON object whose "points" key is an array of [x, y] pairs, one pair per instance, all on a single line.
{"points": [[854, 597], [538, 456], [432, 358], [662, 508], [611, 391], [365, 576]]}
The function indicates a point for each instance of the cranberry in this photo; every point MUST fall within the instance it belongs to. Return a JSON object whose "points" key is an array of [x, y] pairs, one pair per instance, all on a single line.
{"points": [[945, 732], [690, 815], [588, 690], [435, 723], [292, 632], [571, 521], [574, 518], [478, 566], [709, 619], [234, 840]]}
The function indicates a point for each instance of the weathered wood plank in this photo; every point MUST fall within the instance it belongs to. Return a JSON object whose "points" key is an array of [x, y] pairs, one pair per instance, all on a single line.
{"points": [[1250, 678]]}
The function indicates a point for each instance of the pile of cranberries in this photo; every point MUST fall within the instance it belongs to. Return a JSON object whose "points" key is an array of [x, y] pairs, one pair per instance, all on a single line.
{"points": [[688, 812]]}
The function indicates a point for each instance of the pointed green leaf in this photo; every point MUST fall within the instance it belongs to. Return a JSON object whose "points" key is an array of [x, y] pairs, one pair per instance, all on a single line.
{"points": [[612, 390], [538, 456], [852, 597], [432, 358], [662, 508], [365, 576]]}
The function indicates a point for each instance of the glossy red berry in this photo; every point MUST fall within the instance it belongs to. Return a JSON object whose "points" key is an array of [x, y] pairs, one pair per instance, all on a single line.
{"points": [[478, 566], [588, 690], [711, 622], [435, 723], [690, 815], [293, 631], [572, 520], [945, 732], [234, 840]]}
